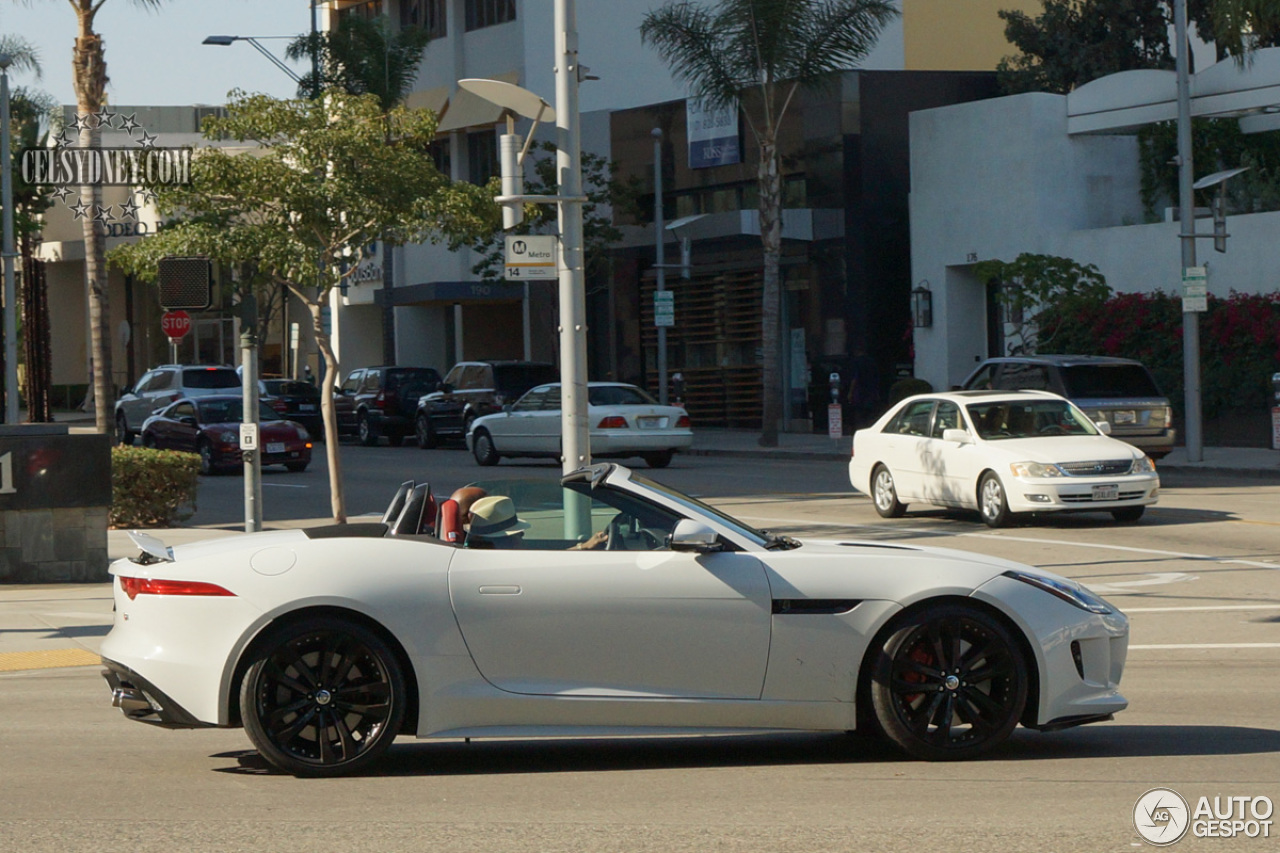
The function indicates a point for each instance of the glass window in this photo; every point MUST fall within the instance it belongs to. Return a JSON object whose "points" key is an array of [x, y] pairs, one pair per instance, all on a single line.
{"points": [[1030, 377], [144, 384], [231, 411], [441, 157], [182, 409], [160, 380], [372, 380], [534, 401], [454, 376], [618, 395], [482, 156], [210, 377], [353, 381], [999, 420], [428, 14], [947, 417], [404, 376], [983, 379], [474, 377], [913, 420], [486, 13], [1086, 381]]}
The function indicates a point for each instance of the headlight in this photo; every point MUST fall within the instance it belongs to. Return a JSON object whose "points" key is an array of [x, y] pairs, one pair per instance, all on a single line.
{"points": [[1068, 591], [303, 435], [1035, 469], [1143, 466], [228, 438]]}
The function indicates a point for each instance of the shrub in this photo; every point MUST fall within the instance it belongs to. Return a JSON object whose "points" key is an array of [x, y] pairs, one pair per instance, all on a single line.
{"points": [[907, 387], [152, 488]]}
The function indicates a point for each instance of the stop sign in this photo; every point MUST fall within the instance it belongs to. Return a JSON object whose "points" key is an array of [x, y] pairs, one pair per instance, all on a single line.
{"points": [[175, 323]]}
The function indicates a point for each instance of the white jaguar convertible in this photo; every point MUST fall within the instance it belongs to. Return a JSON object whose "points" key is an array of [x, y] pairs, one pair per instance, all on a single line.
{"points": [[327, 643]]}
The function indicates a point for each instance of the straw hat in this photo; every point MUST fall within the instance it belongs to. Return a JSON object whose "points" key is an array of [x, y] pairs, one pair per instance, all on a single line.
{"points": [[495, 516]]}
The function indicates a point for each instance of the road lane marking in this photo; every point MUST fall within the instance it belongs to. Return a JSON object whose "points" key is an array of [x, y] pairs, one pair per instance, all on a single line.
{"points": [[1153, 579], [1208, 646], [48, 659], [1204, 608], [285, 486]]}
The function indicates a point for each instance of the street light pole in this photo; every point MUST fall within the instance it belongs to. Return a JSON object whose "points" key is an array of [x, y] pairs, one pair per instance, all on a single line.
{"points": [[660, 249], [1187, 231], [573, 308], [10, 292]]}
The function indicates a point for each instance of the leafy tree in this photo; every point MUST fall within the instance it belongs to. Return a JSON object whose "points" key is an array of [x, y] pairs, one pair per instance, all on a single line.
{"points": [[1075, 41], [362, 57], [325, 178], [89, 74], [1236, 26], [603, 192], [759, 54], [1035, 290]]}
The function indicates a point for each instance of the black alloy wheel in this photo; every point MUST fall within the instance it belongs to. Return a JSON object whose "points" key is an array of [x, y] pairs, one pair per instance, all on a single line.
{"points": [[949, 683], [323, 698]]}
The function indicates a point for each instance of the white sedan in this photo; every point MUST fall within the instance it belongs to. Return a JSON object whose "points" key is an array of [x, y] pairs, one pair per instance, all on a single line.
{"points": [[327, 643], [624, 421], [1002, 453]]}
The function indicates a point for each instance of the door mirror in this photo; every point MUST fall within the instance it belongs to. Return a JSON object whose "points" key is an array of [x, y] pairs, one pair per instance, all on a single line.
{"points": [[506, 408], [1104, 427], [959, 436], [690, 535]]}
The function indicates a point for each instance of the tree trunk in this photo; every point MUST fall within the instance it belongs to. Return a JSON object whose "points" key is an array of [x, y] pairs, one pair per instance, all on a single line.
{"points": [[90, 72], [336, 496], [771, 239]]}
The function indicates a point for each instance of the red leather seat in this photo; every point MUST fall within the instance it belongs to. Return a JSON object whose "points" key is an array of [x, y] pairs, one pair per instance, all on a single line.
{"points": [[448, 523]]}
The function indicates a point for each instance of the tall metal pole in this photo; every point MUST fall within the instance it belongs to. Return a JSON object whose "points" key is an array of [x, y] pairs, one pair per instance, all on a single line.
{"points": [[659, 235], [1187, 230], [10, 292], [249, 383], [573, 304]]}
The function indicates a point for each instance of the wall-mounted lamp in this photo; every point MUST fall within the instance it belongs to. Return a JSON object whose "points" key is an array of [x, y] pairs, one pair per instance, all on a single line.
{"points": [[922, 305]]}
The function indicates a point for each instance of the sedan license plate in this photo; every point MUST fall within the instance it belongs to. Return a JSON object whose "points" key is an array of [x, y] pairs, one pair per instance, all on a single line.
{"points": [[1124, 417], [1106, 493], [649, 423], [278, 447], [306, 407]]}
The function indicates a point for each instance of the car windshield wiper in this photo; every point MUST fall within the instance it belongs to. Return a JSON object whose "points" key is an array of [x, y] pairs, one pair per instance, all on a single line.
{"points": [[774, 542]]}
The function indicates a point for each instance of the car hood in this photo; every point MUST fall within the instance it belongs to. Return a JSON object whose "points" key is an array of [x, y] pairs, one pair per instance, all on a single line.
{"points": [[843, 569], [1078, 448]]}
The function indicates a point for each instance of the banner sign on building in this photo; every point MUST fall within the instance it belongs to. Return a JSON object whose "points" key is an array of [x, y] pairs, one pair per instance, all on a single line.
{"points": [[713, 135]]}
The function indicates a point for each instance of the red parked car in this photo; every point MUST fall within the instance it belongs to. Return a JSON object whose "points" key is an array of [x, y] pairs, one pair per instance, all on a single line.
{"points": [[210, 426]]}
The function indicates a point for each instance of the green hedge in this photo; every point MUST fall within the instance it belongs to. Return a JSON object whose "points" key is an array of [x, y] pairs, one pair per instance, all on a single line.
{"points": [[152, 488], [1239, 343]]}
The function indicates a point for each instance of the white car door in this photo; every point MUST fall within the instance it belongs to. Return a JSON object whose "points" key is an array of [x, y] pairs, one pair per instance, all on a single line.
{"points": [[516, 431], [654, 623], [902, 447], [948, 466]]}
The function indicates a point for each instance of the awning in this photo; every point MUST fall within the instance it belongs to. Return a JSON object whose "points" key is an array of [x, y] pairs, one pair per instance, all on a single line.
{"points": [[429, 99]]}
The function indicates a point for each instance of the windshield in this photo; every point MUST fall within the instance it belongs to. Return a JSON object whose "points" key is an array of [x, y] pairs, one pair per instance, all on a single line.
{"points": [[210, 377], [1001, 419], [403, 376], [618, 395], [229, 411], [758, 537], [1092, 381], [291, 388]]}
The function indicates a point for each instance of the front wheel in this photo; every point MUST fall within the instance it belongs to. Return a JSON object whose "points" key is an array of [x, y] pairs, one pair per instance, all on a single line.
{"points": [[426, 435], [950, 682], [992, 503], [884, 495], [366, 431], [484, 451], [323, 698]]}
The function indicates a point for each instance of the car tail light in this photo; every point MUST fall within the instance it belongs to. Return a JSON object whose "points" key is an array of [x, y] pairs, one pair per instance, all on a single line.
{"points": [[133, 587], [380, 401], [613, 422], [280, 406], [683, 422]]}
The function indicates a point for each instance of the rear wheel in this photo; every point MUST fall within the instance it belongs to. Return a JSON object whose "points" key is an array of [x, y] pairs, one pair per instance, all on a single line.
{"points": [[950, 682], [658, 458], [884, 495], [426, 435], [205, 449], [1129, 514], [484, 451], [991, 501], [367, 432], [324, 698]]}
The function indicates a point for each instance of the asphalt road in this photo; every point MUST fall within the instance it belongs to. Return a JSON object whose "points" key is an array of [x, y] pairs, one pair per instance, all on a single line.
{"points": [[1199, 578]]}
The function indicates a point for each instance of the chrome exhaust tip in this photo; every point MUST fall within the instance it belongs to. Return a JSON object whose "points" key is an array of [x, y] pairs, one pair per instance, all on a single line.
{"points": [[132, 701]]}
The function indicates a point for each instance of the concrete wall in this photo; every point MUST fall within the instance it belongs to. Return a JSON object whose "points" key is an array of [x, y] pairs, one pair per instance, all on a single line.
{"points": [[419, 336]]}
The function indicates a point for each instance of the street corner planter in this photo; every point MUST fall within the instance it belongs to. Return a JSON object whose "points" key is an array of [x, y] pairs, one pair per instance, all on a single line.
{"points": [[55, 491]]}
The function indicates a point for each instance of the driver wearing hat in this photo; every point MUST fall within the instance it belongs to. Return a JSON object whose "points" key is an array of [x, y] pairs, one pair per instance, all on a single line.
{"points": [[494, 524]]}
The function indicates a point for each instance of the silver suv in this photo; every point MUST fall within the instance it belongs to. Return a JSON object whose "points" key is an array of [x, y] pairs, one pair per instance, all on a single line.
{"points": [[161, 385], [1120, 391]]}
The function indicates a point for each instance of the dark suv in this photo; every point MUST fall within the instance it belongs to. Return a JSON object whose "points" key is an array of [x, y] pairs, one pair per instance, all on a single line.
{"points": [[472, 389], [1120, 391], [385, 398]]}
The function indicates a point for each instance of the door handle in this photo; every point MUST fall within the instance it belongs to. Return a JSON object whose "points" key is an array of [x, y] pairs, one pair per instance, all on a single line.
{"points": [[500, 589]]}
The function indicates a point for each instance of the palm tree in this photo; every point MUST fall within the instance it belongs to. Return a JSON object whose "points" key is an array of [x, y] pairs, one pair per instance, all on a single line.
{"points": [[362, 57], [89, 75], [760, 53], [23, 55]]}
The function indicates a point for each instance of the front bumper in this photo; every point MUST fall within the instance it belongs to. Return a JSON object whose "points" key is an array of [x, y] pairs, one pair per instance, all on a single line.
{"points": [[225, 457], [1080, 494]]}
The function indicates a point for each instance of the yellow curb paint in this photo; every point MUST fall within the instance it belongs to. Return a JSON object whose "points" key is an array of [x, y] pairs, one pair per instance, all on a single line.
{"points": [[51, 659]]}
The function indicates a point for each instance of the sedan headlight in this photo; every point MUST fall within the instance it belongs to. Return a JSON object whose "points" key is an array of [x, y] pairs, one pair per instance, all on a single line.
{"points": [[1143, 466], [1035, 470], [303, 435], [228, 438], [1068, 591]]}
